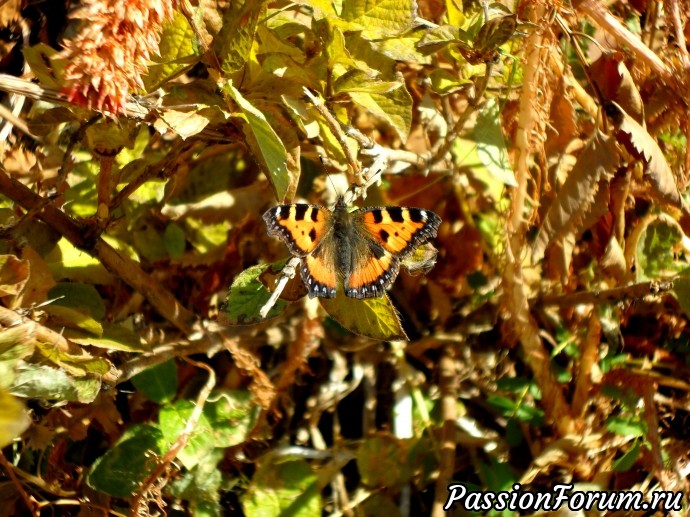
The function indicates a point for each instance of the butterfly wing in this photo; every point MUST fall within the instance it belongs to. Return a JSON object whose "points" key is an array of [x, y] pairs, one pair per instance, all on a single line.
{"points": [[373, 270], [318, 271], [388, 234], [399, 230], [301, 227]]}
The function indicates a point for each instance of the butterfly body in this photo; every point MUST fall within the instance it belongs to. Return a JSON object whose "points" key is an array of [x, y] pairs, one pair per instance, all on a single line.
{"points": [[359, 250]]}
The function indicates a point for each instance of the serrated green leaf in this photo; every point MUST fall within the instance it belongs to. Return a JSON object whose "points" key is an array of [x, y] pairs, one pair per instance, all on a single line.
{"points": [[177, 50], [14, 419], [380, 18], [247, 296], [158, 383], [376, 318], [395, 107], [120, 471], [656, 256], [283, 488], [264, 139], [201, 485]]}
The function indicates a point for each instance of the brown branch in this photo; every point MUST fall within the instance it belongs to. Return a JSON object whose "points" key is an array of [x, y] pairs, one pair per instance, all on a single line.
{"points": [[589, 354], [617, 294], [122, 266], [29, 501]]}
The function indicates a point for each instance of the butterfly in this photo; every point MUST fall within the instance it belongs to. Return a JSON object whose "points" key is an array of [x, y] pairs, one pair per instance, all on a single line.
{"points": [[362, 250]]}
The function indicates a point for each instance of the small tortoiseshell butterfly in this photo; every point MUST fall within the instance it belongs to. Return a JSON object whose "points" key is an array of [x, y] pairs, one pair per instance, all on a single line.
{"points": [[361, 249]]}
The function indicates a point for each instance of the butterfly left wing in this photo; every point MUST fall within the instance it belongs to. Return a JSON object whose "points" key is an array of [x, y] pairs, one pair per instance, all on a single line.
{"points": [[301, 227], [398, 229], [374, 270]]}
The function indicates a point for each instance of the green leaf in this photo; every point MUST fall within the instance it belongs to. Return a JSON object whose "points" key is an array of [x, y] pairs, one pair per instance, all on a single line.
{"points": [[14, 419], [376, 318], [177, 50], [114, 337], [444, 82], [173, 420], [395, 107], [75, 365], [232, 415], [626, 426], [201, 485], [627, 461], [656, 256], [265, 141], [80, 296], [120, 471], [681, 290], [491, 147], [43, 383], [41, 59], [234, 42], [380, 18], [358, 81], [67, 262], [175, 240], [66, 316], [247, 296], [283, 488], [158, 383], [16, 343]]}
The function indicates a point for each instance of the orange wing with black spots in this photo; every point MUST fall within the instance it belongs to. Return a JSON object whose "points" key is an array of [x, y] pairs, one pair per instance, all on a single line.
{"points": [[301, 227], [399, 230], [373, 272]]}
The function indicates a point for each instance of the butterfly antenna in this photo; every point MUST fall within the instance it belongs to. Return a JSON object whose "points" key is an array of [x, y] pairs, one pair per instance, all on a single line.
{"points": [[329, 175]]}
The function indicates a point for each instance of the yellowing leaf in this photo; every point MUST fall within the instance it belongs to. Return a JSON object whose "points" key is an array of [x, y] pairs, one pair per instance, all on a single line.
{"points": [[14, 419], [394, 107], [376, 318], [236, 37], [381, 18], [14, 274], [177, 50], [184, 123]]}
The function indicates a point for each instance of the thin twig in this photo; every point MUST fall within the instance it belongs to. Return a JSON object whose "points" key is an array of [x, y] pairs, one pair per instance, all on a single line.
{"points": [[29, 501], [337, 131]]}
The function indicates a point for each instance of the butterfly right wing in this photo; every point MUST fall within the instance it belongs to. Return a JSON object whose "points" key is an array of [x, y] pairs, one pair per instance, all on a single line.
{"points": [[301, 227]]}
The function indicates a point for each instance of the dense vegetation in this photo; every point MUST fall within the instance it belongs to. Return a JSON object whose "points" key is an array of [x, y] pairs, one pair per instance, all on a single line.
{"points": [[157, 350]]}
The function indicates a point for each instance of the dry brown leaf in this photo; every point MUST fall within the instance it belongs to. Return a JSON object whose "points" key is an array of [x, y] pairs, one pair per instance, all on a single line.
{"points": [[640, 144], [615, 83], [578, 202]]}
